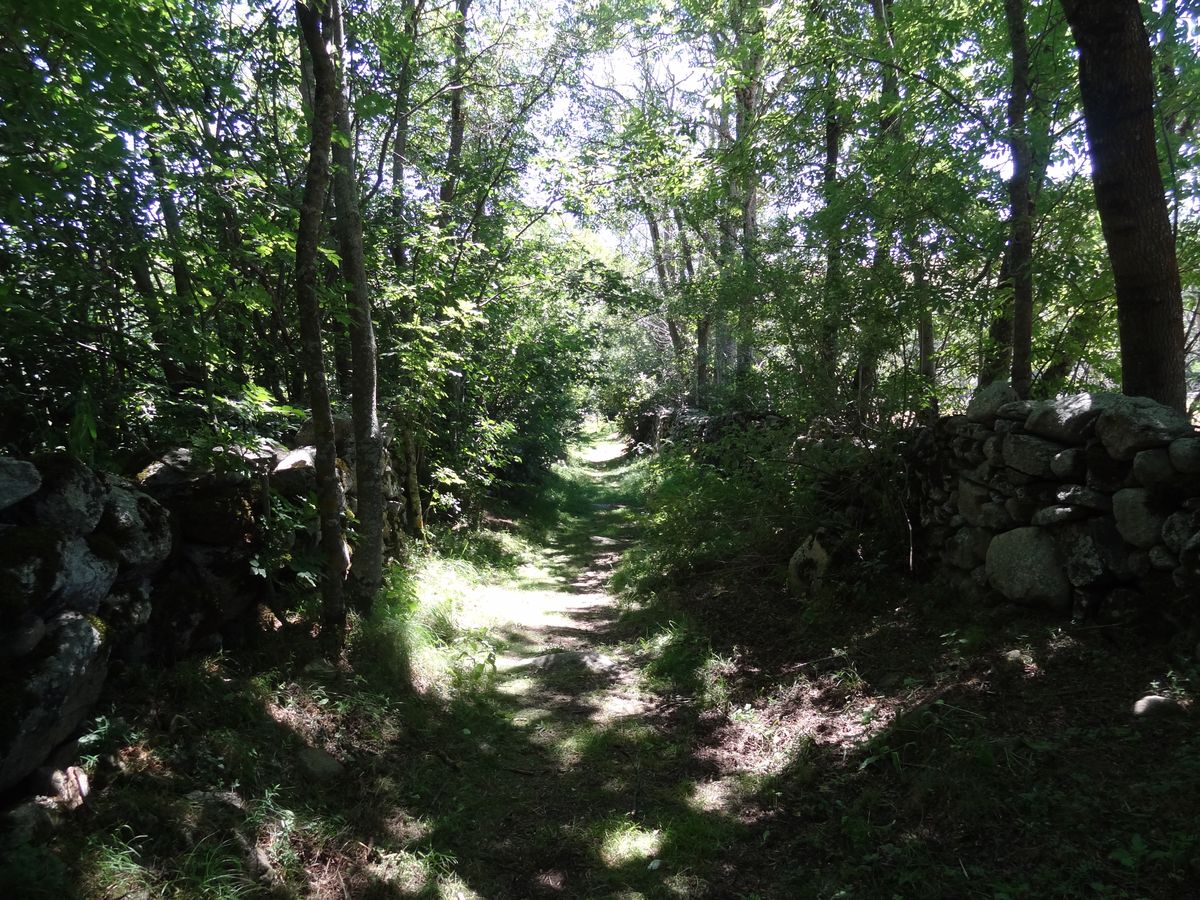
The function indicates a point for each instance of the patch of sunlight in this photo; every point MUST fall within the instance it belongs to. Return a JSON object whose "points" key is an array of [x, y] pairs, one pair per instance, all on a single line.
{"points": [[681, 885], [514, 687], [723, 795], [451, 887], [627, 842], [402, 871], [531, 717]]}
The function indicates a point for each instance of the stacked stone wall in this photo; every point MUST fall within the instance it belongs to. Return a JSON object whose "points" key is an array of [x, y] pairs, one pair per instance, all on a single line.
{"points": [[1088, 505]]}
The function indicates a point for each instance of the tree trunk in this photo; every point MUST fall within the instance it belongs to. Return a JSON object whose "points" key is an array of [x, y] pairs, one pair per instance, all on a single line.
{"points": [[449, 188], [1116, 82], [1020, 241], [366, 573], [411, 11], [308, 237], [412, 486]]}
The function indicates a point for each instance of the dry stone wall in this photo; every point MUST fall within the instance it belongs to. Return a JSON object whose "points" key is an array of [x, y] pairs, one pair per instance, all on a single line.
{"points": [[1087, 505], [96, 570]]}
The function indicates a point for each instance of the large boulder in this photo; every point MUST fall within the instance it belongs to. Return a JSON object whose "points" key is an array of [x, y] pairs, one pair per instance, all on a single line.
{"points": [[54, 697], [1023, 565], [1068, 419], [18, 480], [1131, 424], [71, 498]]}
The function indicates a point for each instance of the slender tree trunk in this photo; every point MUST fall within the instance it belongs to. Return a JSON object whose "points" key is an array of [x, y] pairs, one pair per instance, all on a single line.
{"points": [[412, 486], [308, 237], [1116, 81], [832, 288], [411, 11], [366, 573], [449, 188], [748, 34], [1020, 241]]}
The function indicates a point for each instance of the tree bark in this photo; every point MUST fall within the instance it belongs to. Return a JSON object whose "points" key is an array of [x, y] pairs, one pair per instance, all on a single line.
{"points": [[1020, 241], [449, 187], [1116, 82], [313, 31], [366, 572]]}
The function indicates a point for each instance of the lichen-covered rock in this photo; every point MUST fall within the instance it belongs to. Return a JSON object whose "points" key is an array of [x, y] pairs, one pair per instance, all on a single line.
{"points": [[1130, 424], [1138, 516], [1178, 529], [88, 569], [1185, 455], [71, 498], [18, 480], [986, 401], [1023, 565], [1029, 454], [138, 527], [1068, 419], [53, 699], [971, 498]]}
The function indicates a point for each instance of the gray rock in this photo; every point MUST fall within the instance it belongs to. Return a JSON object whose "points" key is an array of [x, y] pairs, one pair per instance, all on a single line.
{"points": [[18, 480], [1068, 419], [1185, 454], [971, 498], [1069, 465], [1153, 467], [319, 764], [1077, 495], [1023, 565], [1162, 559], [1154, 705], [85, 576], [967, 547], [32, 820], [1178, 529], [1093, 551], [1138, 517], [343, 432], [1016, 411], [1030, 455], [71, 498], [1131, 424], [57, 695], [987, 400], [1061, 515], [994, 515], [138, 527]]}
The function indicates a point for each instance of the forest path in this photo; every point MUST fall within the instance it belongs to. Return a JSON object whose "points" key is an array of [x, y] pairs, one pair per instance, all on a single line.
{"points": [[567, 775]]}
